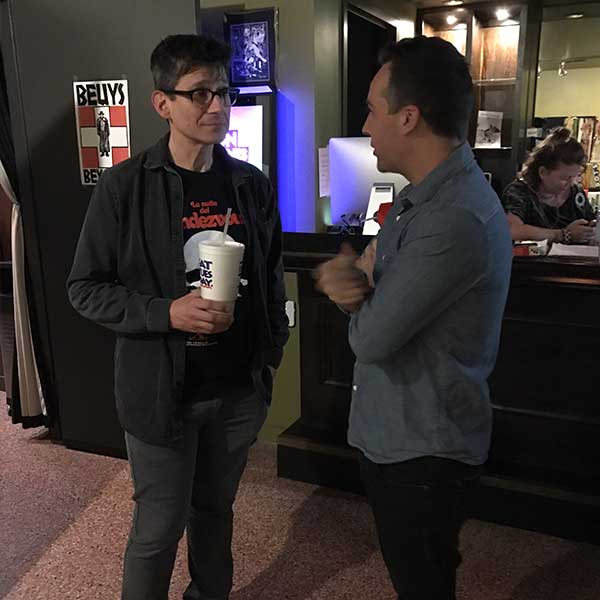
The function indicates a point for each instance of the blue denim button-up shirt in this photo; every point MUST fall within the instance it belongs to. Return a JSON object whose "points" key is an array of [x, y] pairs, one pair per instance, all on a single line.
{"points": [[426, 340]]}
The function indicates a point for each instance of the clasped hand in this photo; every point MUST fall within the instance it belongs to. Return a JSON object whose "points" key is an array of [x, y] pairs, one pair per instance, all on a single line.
{"points": [[581, 231], [194, 314], [347, 279]]}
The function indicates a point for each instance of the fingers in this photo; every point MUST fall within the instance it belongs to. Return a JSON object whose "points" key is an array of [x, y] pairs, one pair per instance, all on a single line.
{"points": [[370, 252], [581, 230], [211, 305], [194, 314], [341, 280], [344, 287], [331, 280], [212, 322], [371, 248], [347, 250], [362, 262], [205, 321], [348, 297], [342, 263]]}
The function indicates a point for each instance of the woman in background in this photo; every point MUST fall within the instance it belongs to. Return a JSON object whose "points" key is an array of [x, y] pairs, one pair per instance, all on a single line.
{"points": [[544, 201]]}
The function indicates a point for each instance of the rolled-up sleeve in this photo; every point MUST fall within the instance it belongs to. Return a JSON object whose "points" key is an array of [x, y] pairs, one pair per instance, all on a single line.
{"points": [[438, 261]]}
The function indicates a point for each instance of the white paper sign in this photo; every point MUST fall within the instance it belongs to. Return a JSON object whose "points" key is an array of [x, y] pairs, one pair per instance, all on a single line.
{"points": [[323, 172], [102, 117]]}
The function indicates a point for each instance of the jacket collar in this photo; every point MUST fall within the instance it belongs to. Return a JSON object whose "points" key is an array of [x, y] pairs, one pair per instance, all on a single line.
{"points": [[158, 156]]}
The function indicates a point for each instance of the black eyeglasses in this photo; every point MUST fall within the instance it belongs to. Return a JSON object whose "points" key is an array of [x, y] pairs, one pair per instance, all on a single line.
{"points": [[204, 96]]}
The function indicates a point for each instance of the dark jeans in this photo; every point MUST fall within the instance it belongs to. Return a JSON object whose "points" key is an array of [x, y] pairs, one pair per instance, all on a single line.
{"points": [[418, 507], [191, 483]]}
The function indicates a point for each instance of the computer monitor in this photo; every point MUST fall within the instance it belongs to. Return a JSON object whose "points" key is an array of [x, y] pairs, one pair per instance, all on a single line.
{"points": [[352, 174]]}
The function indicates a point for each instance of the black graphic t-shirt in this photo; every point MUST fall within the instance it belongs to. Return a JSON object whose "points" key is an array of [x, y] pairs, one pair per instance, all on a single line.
{"points": [[521, 200], [206, 198]]}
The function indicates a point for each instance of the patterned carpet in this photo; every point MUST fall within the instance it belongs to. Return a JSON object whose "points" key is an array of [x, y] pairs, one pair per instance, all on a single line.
{"points": [[64, 517]]}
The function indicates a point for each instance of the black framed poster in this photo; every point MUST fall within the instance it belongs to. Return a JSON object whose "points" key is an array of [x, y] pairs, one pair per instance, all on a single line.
{"points": [[251, 35]]}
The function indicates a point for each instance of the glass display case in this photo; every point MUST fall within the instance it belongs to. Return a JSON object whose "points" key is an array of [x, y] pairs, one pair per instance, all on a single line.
{"points": [[488, 36], [491, 37], [449, 24], [494, 67]]}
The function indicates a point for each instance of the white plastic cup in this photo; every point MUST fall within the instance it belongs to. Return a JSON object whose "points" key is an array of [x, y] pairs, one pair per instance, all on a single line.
{"points": [[220, 267]]}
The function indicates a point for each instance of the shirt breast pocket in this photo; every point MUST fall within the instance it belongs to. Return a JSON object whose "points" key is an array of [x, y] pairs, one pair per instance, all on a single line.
{"points": [[390, 241]]}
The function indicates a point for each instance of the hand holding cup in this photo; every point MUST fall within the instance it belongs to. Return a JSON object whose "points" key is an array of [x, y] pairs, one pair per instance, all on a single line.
{"points": [[193, 314]]}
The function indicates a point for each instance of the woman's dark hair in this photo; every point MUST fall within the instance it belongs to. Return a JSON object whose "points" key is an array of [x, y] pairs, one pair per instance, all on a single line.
{"points": [[178, 55], [431, 74], [558, 148]]}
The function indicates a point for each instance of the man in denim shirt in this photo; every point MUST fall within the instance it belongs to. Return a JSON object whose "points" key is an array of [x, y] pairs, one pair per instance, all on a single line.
{"points": [[426, 303]]}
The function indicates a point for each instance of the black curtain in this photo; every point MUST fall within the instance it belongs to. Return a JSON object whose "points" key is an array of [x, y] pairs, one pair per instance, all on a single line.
{"points": [[7, 326], [7, 149]]}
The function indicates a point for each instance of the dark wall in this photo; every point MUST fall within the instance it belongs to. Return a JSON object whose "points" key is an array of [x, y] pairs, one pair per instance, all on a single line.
{"points": [[46, 44], [366, 36]]}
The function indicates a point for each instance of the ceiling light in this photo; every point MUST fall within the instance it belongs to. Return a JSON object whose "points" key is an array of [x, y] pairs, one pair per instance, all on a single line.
{"points": [[451, 19], [502, 14], [453, 2], [575, 16]]}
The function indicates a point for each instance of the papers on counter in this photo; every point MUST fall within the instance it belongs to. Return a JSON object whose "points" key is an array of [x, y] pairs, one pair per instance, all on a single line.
{"points": [[573, 250]]}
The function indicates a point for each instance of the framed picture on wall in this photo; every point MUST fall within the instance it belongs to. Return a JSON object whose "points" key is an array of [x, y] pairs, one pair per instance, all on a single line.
{"points": [[251, 35], [595, 153], [585, 135], [489, 129]]}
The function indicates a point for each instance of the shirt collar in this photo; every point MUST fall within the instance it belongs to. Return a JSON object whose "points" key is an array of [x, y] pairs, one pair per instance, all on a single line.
{"points": [[459, 159], [159, 156]]}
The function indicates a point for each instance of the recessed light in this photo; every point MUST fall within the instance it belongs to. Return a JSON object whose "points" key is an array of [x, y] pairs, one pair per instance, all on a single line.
{"points": [[451, 19], [575, 16], [454, 2], [502, 14]]}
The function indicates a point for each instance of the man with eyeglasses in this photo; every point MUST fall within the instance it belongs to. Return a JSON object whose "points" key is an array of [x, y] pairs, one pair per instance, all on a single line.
{"points": [[193, 377]]}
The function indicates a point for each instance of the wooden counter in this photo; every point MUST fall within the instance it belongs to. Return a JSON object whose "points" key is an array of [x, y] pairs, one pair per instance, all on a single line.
{"points": [[544, 466]]}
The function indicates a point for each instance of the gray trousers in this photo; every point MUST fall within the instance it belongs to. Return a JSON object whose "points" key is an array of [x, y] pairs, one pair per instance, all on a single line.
{"points": [[191, 484]]}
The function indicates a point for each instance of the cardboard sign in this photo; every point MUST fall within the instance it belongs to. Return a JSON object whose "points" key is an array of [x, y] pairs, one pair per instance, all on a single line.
{"points": [[102, 117]]}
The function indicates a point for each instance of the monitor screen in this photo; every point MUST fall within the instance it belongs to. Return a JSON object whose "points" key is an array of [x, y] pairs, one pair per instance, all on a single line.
{"points": [[244, 140], [352, 173]]}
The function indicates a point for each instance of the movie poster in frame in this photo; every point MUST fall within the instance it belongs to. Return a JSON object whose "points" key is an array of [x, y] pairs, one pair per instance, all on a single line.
{"points": [[251, 35]]}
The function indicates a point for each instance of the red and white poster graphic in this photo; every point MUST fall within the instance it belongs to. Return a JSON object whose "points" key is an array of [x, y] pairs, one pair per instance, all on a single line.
{"points": [[102, 116]]}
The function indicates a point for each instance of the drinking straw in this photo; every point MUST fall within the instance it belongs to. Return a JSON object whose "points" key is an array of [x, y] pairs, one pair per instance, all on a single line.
{"points": [[227, 217]]}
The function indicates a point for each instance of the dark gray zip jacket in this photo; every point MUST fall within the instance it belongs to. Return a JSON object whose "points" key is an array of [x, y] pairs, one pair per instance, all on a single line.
{"points": [[129, 267]]}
